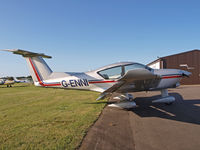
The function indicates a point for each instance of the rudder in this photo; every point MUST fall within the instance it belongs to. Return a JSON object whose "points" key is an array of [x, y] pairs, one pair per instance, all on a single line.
{"points": [[38, 68]]}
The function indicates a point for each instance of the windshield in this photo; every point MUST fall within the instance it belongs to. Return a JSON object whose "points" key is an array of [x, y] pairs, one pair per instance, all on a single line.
{"points": [[135, 66], [119, 71], [111, 73]]}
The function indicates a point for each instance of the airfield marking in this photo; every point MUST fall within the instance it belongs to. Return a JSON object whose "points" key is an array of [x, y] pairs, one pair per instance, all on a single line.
{"points": [[168, 113]]}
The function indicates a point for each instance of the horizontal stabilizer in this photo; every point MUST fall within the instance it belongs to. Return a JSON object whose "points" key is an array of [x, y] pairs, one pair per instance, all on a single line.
{"points": [[25, 53]]}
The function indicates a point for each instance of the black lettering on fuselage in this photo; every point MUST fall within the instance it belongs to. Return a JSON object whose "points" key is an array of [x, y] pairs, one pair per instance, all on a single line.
{"points": [[64, 83], [84, 82], [71, 82], [78, 82], [75, 83]]}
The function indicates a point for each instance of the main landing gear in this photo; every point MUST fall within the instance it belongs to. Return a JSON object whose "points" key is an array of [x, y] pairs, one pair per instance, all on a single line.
{"points": [[168, 100], [125, 101]]}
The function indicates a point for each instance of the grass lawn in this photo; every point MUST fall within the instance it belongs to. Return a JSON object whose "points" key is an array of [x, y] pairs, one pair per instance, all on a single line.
{"points": [[45, 118]]}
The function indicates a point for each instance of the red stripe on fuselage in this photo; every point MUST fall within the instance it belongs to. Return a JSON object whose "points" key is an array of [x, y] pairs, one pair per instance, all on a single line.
{"points": [[169, 77], [164, 77], [38, 77], [93, 82]]}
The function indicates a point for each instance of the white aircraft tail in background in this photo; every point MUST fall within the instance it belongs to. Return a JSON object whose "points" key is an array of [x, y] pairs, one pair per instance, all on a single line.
{"points": [[19, 81]]}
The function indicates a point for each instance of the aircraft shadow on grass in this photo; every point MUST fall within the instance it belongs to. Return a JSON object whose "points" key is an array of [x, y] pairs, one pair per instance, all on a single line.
{"points": [[181, 110]]}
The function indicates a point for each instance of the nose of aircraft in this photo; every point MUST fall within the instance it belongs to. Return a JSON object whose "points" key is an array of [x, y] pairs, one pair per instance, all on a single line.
{"points": [[185, 73]]}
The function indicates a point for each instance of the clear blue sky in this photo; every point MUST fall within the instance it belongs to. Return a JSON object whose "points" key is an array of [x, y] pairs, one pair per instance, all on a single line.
{"points": [[87, 34]]}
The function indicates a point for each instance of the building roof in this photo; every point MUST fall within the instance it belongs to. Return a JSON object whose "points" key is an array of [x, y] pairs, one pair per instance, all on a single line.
{"points": [[195, 50]]}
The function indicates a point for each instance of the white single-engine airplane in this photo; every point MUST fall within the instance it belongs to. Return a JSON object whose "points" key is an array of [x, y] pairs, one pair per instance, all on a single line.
{"points": [[123, 78], [7, 82]]}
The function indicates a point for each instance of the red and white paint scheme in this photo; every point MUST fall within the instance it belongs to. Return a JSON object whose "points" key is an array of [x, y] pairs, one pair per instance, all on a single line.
{"points": [[123, 78]]}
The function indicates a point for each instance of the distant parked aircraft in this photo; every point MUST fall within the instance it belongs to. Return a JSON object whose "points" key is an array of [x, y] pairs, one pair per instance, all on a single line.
{"points": [[7, 82], [123, 78]]}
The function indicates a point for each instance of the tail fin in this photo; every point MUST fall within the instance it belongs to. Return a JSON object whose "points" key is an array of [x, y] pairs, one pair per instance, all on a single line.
{"points": [[37, 66], [15, 79]]}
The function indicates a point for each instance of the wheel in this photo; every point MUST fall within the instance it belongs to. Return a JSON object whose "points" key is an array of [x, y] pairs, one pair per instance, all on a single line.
{"points": [[130, 97]]}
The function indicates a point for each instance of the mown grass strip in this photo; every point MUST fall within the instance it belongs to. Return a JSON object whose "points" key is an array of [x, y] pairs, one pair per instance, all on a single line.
{"points": [[44, 118]]}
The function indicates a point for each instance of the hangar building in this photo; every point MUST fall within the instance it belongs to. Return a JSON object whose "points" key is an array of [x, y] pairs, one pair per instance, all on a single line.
{"points": [[189, 61]]}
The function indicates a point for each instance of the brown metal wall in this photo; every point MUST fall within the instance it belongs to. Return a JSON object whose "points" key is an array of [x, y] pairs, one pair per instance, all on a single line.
{"points": [[192, 59]]}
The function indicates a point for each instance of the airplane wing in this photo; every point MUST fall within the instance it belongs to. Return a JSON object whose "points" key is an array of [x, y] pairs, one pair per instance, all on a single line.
{"points": [[138, 74], [137, 79]]}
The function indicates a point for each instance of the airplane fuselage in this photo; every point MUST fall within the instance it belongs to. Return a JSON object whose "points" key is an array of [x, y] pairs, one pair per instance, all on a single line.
{"points": [[122, 77], [94, 82]]}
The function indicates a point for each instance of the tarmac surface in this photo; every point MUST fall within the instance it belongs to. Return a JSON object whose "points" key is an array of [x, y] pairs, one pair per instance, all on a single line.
{"points": [[149, 126]]}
